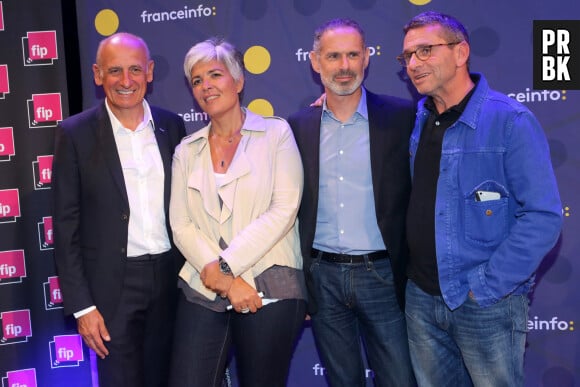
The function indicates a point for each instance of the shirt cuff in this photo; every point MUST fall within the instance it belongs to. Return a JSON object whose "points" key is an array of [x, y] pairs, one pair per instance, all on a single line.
{"points": [[81, 313]]}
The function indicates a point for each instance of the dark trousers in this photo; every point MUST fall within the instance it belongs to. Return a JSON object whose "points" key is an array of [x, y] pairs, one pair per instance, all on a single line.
{"points": [[142, 327], [263, 344]]}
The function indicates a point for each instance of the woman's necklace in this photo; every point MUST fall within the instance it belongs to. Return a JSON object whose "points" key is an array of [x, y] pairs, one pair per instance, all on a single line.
{"points": [[223, 149]]}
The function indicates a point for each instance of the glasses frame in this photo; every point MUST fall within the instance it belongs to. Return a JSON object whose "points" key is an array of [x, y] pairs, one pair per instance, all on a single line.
{"points": [[405, 57]]}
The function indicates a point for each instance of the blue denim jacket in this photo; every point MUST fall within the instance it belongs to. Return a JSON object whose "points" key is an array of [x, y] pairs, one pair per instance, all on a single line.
{"points": [[494, 247]]}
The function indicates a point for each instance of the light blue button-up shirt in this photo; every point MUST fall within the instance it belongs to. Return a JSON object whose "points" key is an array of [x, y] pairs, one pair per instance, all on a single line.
{"points": [[346, 222]]}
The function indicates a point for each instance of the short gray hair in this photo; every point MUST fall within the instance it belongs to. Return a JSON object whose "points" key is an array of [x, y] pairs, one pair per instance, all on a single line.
{"points": [[453, 28], [215, 49], [333, 25]]}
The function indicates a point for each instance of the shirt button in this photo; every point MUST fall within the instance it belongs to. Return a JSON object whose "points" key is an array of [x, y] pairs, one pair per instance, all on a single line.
{"points": [[340, 152], [341, 205], [488, 212], [342, 231], [437, 123], [341, 178], [124, 217]]}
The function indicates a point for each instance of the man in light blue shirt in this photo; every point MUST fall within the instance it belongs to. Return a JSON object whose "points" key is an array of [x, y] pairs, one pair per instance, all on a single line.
{"points": [[356, 185]]}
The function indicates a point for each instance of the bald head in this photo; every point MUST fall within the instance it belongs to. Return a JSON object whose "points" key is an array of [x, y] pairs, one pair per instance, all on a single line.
{"points": [[119, 40]]}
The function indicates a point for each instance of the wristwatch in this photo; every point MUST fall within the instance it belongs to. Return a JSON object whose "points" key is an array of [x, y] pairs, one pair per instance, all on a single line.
{"points": [[224, 267]]}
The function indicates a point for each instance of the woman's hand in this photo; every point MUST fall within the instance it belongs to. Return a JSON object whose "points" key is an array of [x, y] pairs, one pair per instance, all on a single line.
{"points": [[215, 280], [243, 297]]}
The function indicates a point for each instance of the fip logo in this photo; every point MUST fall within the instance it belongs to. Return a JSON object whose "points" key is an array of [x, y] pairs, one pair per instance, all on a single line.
{"points": [[4, 84], [42, 171], [45, 233], [12, 266], [16, 327], [39, 48], [44, 110], [557, 54], [20, 378], [6, 143], [9, 205], [52, 294], [66, 351], [1, 17]]}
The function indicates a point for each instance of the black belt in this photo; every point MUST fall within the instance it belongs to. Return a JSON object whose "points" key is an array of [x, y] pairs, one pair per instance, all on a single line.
{"points": [[348, 258], [147, 257]]}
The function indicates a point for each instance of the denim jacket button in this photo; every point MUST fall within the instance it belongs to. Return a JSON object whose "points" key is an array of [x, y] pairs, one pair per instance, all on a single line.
{"points": [[488, 212]]}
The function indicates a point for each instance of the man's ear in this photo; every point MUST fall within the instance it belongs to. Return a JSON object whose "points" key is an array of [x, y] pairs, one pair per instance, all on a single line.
{"points": [[150, 67], [97, 76], [462, 53]]}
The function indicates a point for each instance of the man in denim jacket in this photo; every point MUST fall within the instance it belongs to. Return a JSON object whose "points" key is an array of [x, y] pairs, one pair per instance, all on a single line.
{"points": [[484, 211]]}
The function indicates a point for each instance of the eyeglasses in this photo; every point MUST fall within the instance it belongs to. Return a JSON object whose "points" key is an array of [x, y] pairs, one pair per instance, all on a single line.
{"points": [[422, 53]]}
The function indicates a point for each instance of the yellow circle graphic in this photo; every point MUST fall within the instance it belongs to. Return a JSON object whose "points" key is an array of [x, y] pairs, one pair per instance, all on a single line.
{"points": [[419, 2], [106, 22], [257, 59], [261, 107]]}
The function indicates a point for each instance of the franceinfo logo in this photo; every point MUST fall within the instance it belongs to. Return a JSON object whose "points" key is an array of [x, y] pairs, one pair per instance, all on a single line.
{"points": [[301, 54], [554, 323], [170, 15]]}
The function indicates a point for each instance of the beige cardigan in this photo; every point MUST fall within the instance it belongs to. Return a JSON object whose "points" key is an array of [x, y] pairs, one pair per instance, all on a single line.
{"points": [[261, 196]]}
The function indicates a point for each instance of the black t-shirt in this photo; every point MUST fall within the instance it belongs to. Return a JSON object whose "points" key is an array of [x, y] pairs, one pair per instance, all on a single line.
{"points": [[422, 267]]}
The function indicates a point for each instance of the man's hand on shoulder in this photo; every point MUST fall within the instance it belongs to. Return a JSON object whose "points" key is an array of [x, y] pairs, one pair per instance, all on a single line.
{"points": [[91, 327], [319, 101]]}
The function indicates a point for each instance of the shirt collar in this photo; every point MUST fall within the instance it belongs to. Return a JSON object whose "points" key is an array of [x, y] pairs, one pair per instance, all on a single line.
{"points": [[147, 118], [361, 108]]}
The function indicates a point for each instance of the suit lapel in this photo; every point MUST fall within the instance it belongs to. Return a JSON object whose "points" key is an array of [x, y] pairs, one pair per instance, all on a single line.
{"points": [[166, 151], [377, 134], [311, 151], [109, 151]]}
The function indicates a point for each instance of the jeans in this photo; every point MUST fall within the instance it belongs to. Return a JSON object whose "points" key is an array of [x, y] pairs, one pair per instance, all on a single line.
{"points": [[468, 346], [358, 301], [263, 343]]}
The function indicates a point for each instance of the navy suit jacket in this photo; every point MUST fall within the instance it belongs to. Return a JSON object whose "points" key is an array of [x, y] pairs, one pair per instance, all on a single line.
{"points": [[91, 208], [390, 122]]}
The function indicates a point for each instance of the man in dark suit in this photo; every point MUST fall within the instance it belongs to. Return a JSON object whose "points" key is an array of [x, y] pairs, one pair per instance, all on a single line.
{"points": [[116, 263], [352, 217]]}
